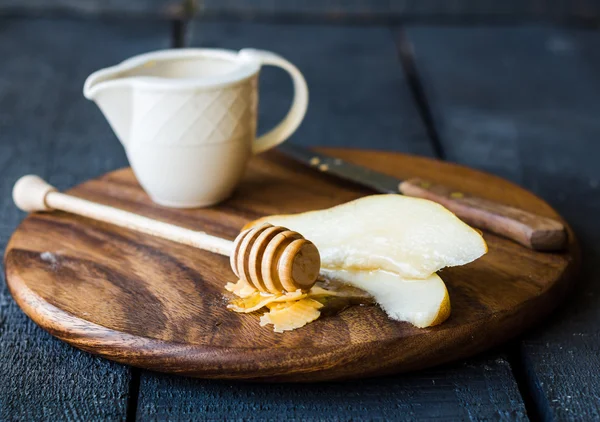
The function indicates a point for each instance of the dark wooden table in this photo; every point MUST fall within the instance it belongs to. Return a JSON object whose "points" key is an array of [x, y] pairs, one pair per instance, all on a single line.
{"points": [[518, 100]]}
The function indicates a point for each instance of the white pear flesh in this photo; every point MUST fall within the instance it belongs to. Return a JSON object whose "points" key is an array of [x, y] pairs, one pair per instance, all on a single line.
{"points": [[407, 236], [423, 303]]}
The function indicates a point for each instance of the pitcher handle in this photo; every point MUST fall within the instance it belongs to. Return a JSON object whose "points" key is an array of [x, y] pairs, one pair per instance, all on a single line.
{"points": [[295, 115]]}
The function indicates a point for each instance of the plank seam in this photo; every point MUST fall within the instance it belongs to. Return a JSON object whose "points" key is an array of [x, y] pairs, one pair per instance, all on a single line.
{"points": [[178, 30], [522, 377], [407, 60], [134, 395]]}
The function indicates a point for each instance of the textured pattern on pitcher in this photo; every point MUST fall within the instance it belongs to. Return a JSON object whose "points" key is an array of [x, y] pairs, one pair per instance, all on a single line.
{"points": [[194, 118]]}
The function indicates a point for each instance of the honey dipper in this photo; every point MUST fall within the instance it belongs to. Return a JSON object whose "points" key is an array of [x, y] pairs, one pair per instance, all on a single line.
{"points": [[271, 259]]}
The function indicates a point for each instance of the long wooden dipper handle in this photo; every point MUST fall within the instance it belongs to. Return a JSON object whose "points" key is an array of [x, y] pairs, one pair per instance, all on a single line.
{"points": [[31, 193], [271, 259]]}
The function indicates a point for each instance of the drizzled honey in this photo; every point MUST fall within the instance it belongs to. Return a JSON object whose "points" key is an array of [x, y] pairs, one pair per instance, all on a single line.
{"points": [[291, 310]]}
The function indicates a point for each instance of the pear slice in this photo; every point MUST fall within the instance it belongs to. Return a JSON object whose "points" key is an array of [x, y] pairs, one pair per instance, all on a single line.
{"points": [[408, 236], [423, 303]]}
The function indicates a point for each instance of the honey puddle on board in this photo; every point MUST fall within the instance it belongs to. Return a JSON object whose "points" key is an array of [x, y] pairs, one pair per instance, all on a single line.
{"points": [[293, 310]]}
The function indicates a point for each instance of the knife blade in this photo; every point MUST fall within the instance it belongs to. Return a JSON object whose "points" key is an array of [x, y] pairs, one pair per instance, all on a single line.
{"points": [[530, 230], [377, 181]]}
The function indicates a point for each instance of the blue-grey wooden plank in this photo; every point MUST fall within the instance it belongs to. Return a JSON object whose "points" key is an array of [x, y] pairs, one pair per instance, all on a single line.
{"points": [[523, 102], [481, 389], [92, 7], [331, 10], [48, 128], [359, 98], [396, 9]]}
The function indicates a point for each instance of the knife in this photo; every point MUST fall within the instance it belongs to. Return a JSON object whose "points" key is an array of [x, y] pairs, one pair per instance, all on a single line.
{"points": [[530, 230]]}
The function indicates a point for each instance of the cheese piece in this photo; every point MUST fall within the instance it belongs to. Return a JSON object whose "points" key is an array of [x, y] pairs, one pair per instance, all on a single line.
{"points": [[408, 236], [291, 315], [258, 300], [240, 289], [423, 303]]}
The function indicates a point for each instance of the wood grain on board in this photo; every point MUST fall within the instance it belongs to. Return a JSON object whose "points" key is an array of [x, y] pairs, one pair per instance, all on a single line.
{"points": [[48, 128], [70, 143], [68, 150], [522, 102], [149, 302], [381, 115]]}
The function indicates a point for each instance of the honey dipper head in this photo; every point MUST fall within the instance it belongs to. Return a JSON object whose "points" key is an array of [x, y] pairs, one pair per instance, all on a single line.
{"points": [[275, 259]]}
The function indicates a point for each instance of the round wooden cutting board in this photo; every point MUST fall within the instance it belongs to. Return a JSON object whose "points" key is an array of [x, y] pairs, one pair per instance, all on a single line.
{"points": [[155, 304]]}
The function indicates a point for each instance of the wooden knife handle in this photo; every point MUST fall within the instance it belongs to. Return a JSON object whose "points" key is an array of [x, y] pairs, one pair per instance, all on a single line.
{"points": [[534, 231]]}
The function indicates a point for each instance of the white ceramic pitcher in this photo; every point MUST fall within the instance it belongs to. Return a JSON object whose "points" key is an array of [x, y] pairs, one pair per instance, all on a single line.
{"points": [[187, 118]]}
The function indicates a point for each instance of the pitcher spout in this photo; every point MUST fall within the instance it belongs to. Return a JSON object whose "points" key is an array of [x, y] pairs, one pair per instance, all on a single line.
{"points": [[135, 94], [113, 96]]}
